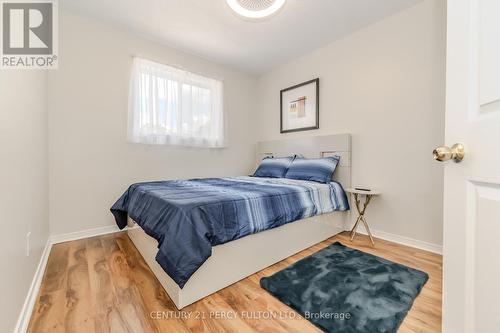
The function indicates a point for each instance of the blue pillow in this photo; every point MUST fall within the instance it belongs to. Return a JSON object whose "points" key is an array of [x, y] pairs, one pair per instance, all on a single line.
{"points": [[315, 169], [274, 167]]}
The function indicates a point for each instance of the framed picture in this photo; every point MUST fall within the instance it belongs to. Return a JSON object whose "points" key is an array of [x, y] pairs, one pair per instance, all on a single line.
{"points": [[299, 107]]}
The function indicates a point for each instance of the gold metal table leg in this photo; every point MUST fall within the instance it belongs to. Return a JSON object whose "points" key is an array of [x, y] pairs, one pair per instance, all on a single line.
{"points": [[353, 230], [361, 216], [368, 230]]}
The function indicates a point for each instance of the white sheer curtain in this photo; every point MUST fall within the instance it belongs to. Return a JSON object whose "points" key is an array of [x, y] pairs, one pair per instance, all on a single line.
{"points": [[174, 107]]}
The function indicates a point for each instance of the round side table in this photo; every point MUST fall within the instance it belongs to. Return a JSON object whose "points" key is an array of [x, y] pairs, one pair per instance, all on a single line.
{"points": [[368, 194]]}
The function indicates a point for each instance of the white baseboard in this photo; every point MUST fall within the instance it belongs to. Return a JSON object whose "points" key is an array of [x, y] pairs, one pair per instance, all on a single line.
{"points": [[29, 303], [403, 240], [60, 238]]}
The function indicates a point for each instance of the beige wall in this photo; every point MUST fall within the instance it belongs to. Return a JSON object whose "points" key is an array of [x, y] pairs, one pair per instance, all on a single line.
{"points": [[23, 175], [385, 84], [91, 164]]}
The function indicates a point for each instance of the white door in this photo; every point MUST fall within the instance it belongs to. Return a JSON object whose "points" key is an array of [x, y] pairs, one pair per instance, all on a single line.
{"points": [[472, 188]]}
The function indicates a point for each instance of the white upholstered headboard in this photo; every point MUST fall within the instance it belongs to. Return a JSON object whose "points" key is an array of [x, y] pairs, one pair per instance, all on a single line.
{"points": [[313, 146]]}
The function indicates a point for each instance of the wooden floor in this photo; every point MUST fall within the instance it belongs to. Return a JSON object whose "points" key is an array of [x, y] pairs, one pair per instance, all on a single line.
{"points": [[102, 284]]}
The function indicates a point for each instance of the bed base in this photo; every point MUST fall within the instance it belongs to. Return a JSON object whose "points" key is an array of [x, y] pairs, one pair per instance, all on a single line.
{"points": [[240, 258]]}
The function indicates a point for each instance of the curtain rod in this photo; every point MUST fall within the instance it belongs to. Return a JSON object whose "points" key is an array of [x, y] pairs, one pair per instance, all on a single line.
{"points": [[178, 67]]}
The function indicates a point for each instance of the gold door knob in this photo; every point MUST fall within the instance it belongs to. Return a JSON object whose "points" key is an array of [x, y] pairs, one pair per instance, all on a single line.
{"points": [[444, 153]]}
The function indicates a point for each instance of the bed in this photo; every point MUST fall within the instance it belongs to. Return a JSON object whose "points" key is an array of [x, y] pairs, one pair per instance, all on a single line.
{"points": [[193, 256]]}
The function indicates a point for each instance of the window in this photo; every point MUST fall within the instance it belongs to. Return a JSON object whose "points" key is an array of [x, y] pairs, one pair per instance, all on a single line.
{"points": [[174, 107]]}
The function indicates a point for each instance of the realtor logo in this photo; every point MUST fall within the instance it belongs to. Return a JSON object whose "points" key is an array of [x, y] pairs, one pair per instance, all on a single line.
{"points": [[29, 34]]}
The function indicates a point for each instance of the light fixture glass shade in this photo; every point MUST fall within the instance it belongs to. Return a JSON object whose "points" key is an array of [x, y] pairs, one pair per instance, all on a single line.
{"points": [[255, 9]]}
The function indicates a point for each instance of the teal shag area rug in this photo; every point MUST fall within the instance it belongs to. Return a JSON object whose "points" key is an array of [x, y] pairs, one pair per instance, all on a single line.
{"points": [[342, 290]]}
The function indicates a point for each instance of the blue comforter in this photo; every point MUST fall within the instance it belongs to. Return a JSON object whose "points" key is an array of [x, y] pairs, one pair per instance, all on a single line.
{"points": [[188, 217]]}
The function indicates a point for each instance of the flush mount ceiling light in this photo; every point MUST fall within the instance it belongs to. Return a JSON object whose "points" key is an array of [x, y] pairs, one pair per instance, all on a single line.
{"points": [[255, 9]]}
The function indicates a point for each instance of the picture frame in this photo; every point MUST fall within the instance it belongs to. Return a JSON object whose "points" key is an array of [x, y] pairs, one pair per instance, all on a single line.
{"points": [[299, 107]]}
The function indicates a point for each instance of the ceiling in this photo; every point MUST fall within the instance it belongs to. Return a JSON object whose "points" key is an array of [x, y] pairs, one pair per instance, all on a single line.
{"points": [[208, 28]]}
